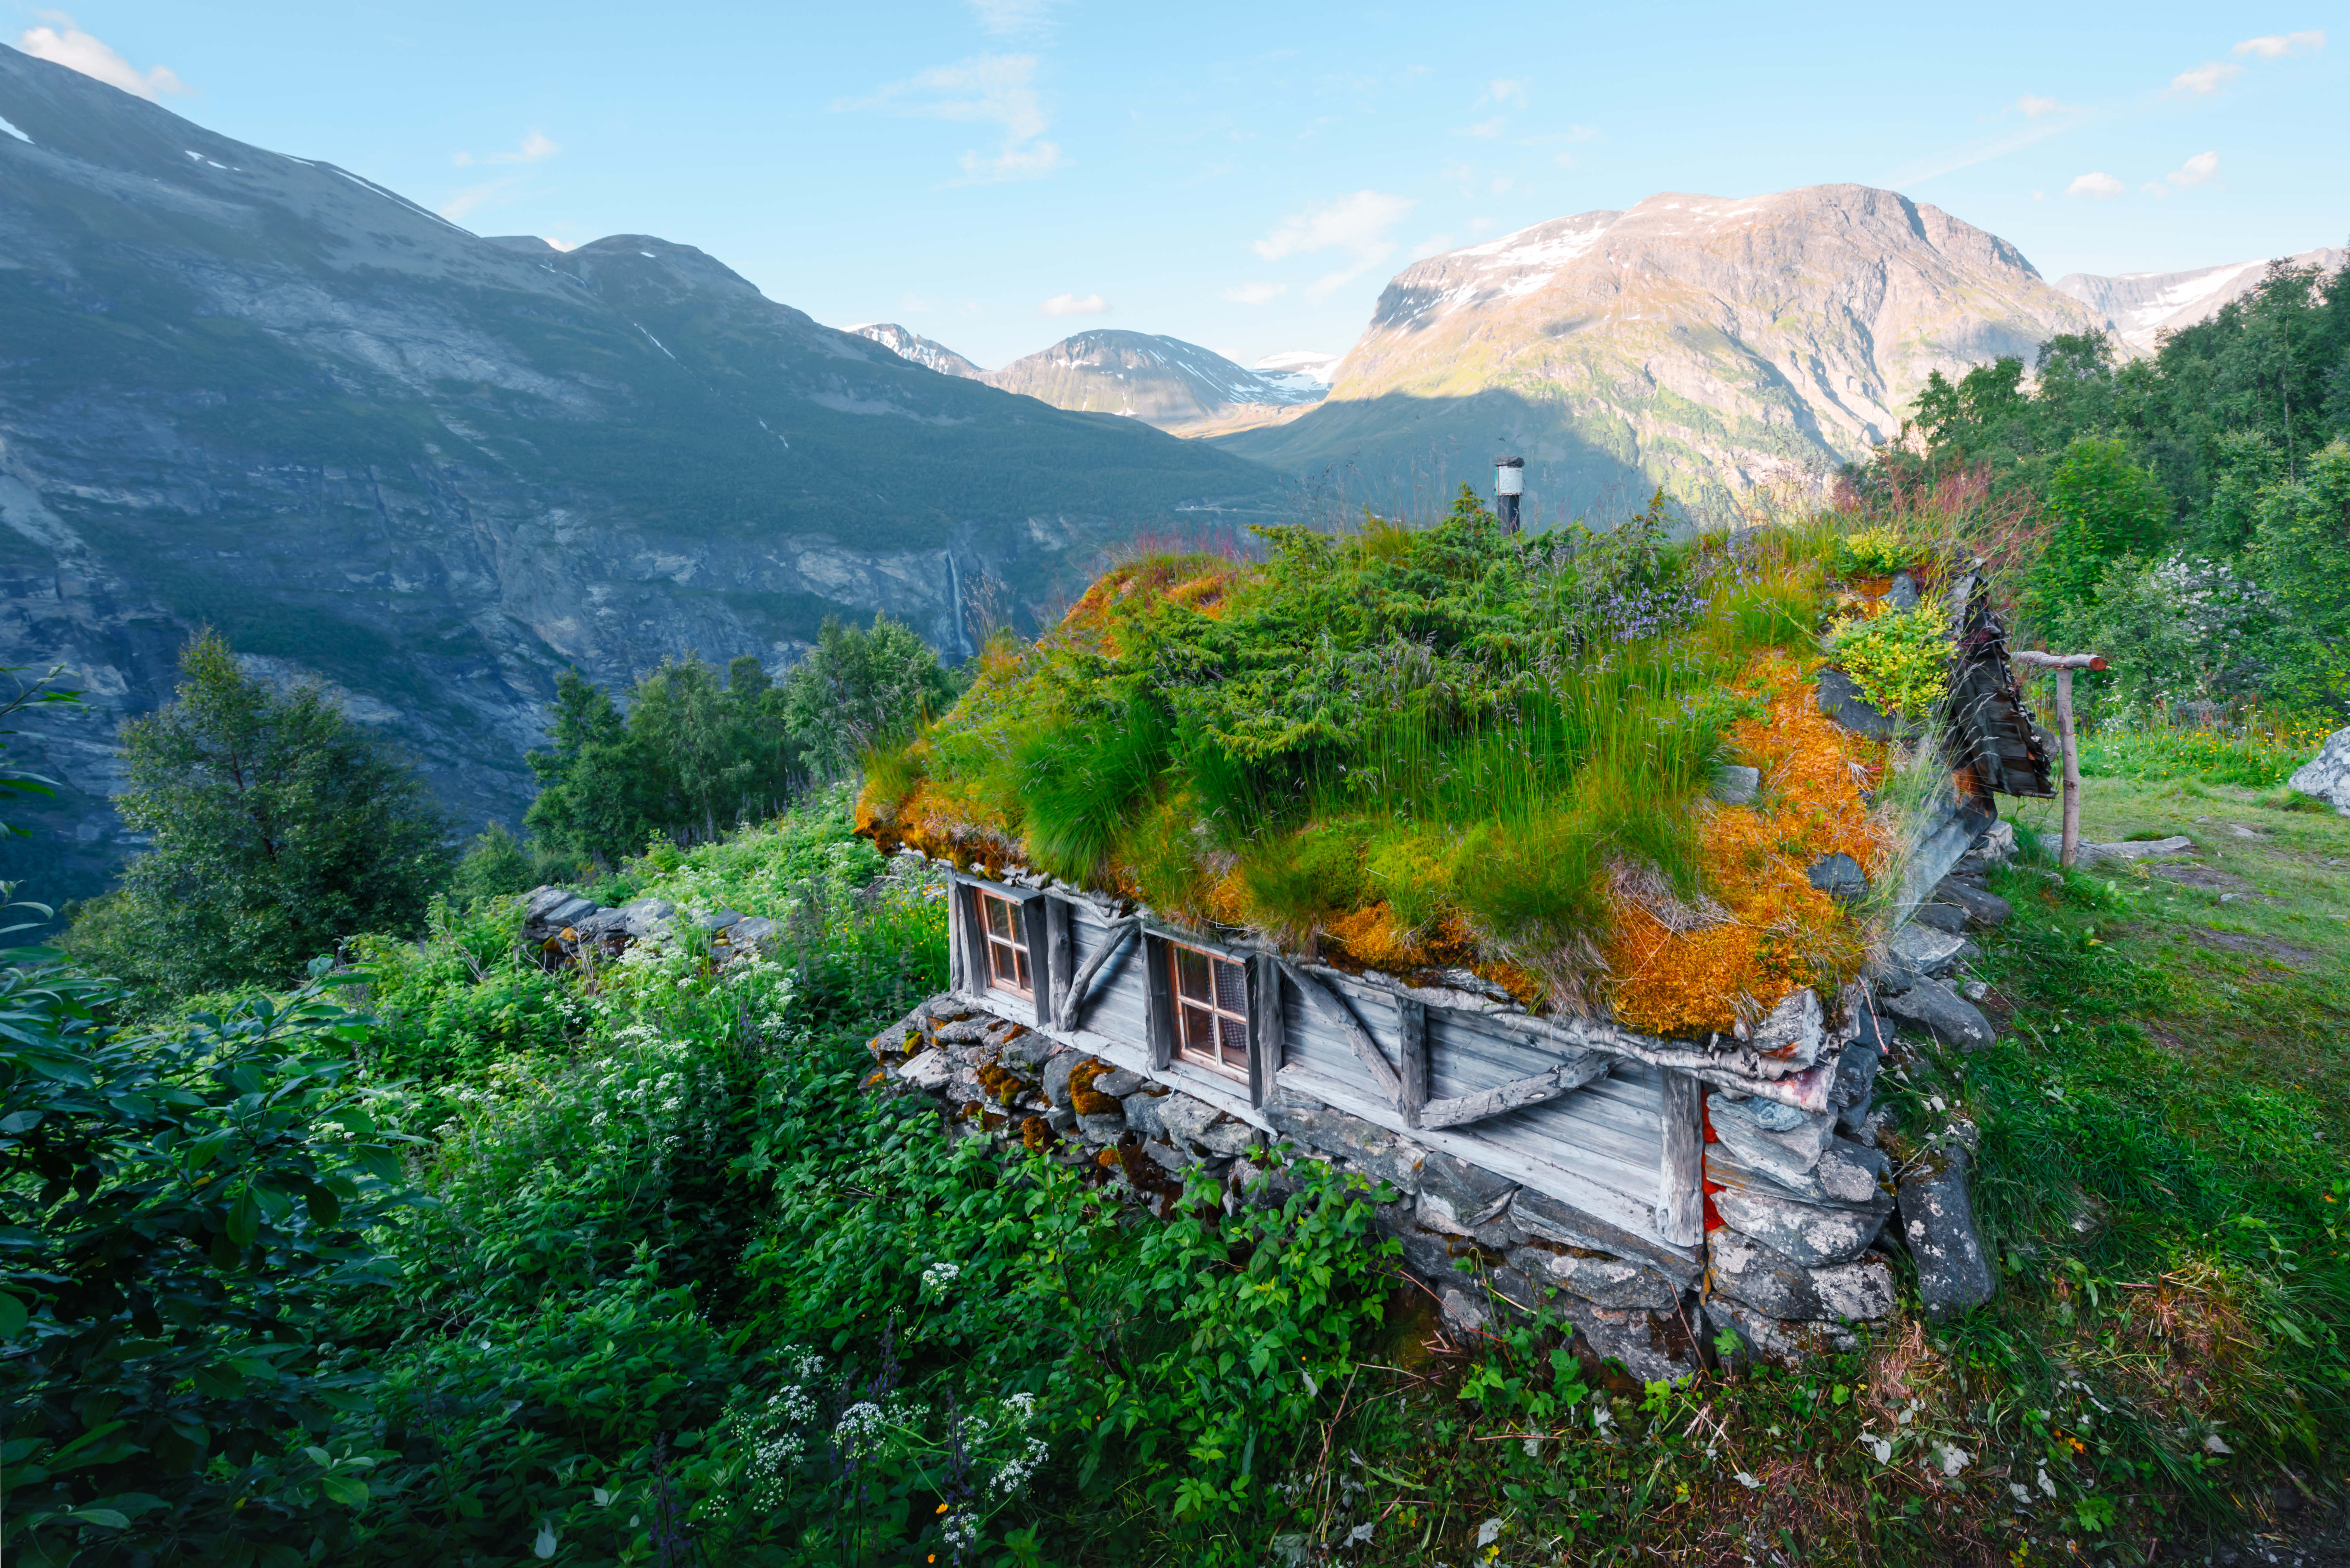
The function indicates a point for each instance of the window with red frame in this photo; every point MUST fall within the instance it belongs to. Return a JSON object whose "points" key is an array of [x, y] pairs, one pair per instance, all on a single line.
{"points": [[1212, 1021], [1006, 943]]}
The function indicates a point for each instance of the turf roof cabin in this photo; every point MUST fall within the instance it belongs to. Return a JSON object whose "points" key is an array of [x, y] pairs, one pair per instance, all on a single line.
{"points": [[1535, 854]]}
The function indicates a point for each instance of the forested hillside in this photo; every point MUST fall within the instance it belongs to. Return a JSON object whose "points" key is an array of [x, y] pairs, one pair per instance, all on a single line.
{"points": [[2196, 502]]}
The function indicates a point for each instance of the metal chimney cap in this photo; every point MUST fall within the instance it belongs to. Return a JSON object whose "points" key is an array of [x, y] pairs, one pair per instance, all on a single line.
{"points": [[1509, 463]]}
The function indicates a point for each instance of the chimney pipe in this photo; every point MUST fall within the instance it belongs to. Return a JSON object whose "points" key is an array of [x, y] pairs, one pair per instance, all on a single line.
{"points": [[1509, 483]]}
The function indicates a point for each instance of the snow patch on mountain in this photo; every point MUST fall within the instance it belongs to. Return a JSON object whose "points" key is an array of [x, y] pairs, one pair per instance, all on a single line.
{"points": [[2139, 307]]}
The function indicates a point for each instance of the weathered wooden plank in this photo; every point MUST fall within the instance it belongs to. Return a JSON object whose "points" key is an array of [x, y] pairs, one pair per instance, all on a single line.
{"points": [[1412, 1055], [1681, 1174], [1036, 930], [959, 975], [1327, 1002], [1073, 1009], [1060, 951], [1517, 1094], [1160, 996], [1265, 1031]]}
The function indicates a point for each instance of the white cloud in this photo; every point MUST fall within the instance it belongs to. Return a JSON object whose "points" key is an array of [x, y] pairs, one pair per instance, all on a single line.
{"points": [[2204, 79], [1253, 293], [1482, 127], [985, 88], [1074, 305], [2276, 45], [2196, 170], [2034, 107], [66, 45], [535, 147], [1505, 89], [1358, 223], [1007, 17], [475, 197], [1504, 184], [2097, 185]]}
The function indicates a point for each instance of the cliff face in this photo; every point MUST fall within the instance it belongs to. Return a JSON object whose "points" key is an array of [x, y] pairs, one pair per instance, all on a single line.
{"points": [[1706, 344], [921, 350], [245, 389]]}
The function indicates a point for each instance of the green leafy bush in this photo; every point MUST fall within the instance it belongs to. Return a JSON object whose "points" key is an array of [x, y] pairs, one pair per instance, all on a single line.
{"points": [[185, 1210], [1875, 552], [1900, 659]]}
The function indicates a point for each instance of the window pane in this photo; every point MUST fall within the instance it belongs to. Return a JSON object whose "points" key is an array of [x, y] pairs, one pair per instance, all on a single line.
{"points": [[1231, 1036], [1020, 964], [1191, 981], [1232, 987], [998, 963], [998, 915], [1197, 1033]]}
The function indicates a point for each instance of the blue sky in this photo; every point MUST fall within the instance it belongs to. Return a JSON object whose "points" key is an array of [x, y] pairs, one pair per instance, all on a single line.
{"points": [[997, 173]]}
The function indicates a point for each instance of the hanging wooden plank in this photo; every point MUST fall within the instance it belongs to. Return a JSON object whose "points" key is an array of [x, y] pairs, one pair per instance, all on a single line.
{"points": [[1564, 1079], [1411, 1037], [1681, 1175], [1324, 1002], [1073, 1005]]}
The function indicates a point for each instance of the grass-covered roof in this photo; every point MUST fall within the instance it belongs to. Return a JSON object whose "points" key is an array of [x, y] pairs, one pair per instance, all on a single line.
{"points": [[1418, 749]]}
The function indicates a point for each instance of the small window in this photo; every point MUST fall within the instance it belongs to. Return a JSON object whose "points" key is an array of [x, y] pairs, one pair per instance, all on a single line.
{"points": [[1007, 944], [1211, 1024]]}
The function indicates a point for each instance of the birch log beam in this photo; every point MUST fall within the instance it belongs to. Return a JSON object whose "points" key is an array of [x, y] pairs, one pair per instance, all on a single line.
{"points": [[1515, 1094], [1319, 996], [1073, 1006], [2063, 664]]}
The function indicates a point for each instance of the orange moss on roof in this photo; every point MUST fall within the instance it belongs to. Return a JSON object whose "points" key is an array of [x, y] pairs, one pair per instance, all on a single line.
{"points": [[1782, 932]]}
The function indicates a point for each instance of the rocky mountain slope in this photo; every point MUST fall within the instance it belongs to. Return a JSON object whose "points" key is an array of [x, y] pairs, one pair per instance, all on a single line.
{"points": [[1164, 381], [1706, 344], [252, 391], [925, 351], [2139, 306]]}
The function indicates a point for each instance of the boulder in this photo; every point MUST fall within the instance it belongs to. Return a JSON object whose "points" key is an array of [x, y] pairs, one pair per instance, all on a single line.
{"points": [[1923, 951], [1533, 1214], [1226, 1135], [2133, 851], [1997, 844], [1811, 1234], [1858, 1292], [1119, 1084], [1841, 700], [1456, 1197], [1107, 1129], [1793, 1031], [1903, 593], [1653, 1346], [1940, 914], [1031, 1051], [1937, 1225], [1771, 1283], [1982, 909], [1183, 1117], [1734, 785], [1056, 1073], [1601, 1281], [1372, 1149], [1463, 1313], [548, 909], [2326, 776], [1840, 876], [1935, 1009], [930, 1070], [644, 918], [754, 932], [717, 920], [1781, 1342]]}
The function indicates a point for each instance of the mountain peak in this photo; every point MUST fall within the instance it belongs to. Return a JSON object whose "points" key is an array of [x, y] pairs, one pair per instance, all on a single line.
{"points": [[921, 350]]}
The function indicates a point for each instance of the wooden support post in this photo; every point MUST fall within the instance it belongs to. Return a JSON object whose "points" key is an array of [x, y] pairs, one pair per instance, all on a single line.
{"points": [[1060, 962], [1035, 931], [1159, 993], [1265, 1036], [2063, 664], [958, 977], [1412, 1028], [1681, 1174]]}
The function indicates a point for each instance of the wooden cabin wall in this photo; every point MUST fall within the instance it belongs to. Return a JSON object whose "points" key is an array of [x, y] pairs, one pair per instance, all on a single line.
{"points": [[1597, 1149]]}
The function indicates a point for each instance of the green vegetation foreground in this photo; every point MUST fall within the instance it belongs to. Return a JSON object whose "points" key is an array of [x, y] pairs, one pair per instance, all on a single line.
{"points": [[625, 1267]]}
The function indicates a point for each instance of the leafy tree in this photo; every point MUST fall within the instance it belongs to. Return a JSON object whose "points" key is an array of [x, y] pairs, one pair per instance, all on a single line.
{"points": [[2301, 549], [690, 758], [497, 863], [277, 826], [860, 688], [182, 1211]]}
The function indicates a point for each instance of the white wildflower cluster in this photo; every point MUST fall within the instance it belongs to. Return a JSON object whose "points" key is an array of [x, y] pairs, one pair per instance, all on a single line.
{"points": [[996, 1438], [779, 1430], [961, 1530], [939, 1278], [665, 1089]]}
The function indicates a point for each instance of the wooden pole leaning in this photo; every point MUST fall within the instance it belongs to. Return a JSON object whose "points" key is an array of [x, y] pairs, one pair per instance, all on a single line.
{"points": [[2063, 664]]}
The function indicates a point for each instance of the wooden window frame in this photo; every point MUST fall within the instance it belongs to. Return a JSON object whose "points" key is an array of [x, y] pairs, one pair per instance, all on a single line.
{"points": [[998, 953], [1169, 958], [974, 946]]}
